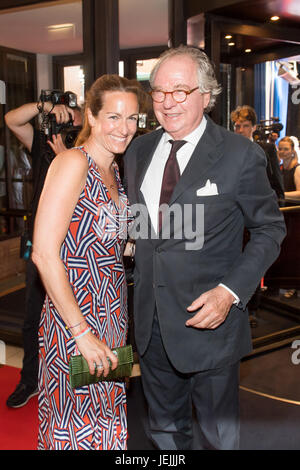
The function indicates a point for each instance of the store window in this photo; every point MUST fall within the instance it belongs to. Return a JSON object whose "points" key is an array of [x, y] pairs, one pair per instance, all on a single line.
{"points": [[147, 119], [74, 81], [143, 69], [15, 162]]}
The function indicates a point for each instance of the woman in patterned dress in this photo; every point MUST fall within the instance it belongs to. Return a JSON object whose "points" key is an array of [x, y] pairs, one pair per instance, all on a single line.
{"points": [[79, 237]]}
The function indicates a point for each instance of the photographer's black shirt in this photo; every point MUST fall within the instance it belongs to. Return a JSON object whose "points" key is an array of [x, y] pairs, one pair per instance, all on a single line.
{"points": [[273, 168], [42, 156]]}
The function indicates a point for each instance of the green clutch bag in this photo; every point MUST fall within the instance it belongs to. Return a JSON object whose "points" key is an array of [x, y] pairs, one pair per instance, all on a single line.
{"points": [[80, 374]]}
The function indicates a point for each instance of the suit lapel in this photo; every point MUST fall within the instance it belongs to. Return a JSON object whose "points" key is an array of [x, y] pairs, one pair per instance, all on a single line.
{"points": [[206, 154]]}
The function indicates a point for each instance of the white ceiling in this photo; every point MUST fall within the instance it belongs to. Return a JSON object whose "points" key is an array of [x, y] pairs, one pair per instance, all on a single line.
{"points": [[142, 23]]}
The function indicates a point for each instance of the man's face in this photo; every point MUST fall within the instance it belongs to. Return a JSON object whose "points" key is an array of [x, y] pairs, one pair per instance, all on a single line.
{"points": [[244, 128], [179, 119]]}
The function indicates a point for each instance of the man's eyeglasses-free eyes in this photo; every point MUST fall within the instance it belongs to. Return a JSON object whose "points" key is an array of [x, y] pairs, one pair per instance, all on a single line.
{"points": [[179, 96]]}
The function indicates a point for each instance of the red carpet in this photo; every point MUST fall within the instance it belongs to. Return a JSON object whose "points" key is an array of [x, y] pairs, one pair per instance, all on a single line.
{"points": [[18, 427]]}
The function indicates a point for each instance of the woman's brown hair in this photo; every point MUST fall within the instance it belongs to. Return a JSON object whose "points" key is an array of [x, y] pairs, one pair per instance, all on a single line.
{"points": [[94, 98], [289, 141]]}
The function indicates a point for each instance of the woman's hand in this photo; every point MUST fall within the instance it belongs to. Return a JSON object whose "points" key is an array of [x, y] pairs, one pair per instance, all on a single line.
{"points": [[96, 352], [129, 249]]}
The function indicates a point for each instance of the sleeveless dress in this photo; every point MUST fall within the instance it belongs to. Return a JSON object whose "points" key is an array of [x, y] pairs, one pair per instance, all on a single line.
{"points": [[94, 416], [289, 179]]}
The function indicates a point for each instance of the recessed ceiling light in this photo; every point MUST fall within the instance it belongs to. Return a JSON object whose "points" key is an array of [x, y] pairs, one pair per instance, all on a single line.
{"points": [[248, 50], [231, 44], [275, 18], [58, 27], [228, 36]]}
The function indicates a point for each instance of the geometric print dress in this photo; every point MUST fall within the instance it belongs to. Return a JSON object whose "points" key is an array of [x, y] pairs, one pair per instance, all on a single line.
{"points": [[92, 417]]}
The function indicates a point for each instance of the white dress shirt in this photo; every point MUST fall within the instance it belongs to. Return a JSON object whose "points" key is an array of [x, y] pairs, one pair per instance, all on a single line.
{"points": [[151, 185]]}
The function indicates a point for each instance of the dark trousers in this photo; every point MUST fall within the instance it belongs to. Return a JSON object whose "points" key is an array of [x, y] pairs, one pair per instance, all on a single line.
{"points": [[172, 397], [34, 299]]}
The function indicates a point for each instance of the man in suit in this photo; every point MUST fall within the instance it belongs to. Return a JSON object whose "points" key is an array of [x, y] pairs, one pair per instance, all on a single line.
{"points": [[192, 286]]}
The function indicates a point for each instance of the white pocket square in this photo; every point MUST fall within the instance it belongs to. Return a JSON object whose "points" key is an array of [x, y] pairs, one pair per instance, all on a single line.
{"points": [[210, 189]]}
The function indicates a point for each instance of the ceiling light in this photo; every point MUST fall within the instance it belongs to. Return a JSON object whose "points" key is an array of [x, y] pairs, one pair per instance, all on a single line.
{"points": [[248, 50], [59, 27], [275, 18], [228, 36], [231, 44]]}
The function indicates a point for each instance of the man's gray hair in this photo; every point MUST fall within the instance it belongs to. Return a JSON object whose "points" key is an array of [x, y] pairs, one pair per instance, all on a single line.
{"points": [[206, 75]]}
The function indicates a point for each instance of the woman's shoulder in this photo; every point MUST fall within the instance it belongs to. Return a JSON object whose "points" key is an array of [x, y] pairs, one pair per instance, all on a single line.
{"points": [[70, 166], [72, 158]]}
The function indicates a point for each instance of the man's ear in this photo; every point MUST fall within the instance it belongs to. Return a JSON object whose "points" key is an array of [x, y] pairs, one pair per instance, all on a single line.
{"points": [[206, 99]]}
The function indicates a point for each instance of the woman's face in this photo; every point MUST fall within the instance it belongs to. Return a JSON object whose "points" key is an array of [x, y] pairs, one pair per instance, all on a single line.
{"points": [[285, 150], [116, 123]]}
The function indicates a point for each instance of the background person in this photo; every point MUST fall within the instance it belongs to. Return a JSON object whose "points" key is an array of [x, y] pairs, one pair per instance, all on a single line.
{"points": [[291, 177], [19, 122], [79, 237], [290, 167], [244, 121], [189, 333]]}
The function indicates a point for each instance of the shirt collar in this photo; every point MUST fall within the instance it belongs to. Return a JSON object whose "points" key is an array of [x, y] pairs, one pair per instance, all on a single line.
{"points": [[194, 137]]}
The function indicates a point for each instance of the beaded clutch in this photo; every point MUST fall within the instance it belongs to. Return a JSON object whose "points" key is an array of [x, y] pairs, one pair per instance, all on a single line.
{"points": [[80, 374]]}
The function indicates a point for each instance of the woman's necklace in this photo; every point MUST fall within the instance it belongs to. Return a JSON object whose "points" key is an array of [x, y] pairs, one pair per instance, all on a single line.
{"points": [[110, 186], [102, 173]]}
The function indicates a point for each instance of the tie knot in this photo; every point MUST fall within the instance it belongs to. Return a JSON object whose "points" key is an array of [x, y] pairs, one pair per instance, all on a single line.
{"points": [[176, 144]]}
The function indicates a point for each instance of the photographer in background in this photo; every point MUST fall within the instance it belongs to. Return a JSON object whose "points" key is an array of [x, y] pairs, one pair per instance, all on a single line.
{"points": [[244, 121], [42, 149]]}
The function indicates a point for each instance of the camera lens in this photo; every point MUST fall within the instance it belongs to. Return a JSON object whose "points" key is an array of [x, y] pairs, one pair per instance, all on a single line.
{"points": [[70, 138]]}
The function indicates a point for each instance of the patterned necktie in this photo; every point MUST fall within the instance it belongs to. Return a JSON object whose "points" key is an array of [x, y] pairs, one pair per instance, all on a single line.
{"points": [[170, 177]]}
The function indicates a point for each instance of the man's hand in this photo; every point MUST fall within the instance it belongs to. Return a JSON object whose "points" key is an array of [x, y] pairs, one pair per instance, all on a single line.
{"points": [[214, 307], [62, 113], [57, 144]]}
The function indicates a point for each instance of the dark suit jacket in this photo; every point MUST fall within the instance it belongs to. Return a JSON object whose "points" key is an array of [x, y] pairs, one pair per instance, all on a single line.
{"points": [[170, 276]]}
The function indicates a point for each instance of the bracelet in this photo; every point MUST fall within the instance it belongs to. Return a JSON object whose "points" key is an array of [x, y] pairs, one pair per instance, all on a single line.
{"points": [[77, 324], [40, 107], [51, 109], [84, 332]]}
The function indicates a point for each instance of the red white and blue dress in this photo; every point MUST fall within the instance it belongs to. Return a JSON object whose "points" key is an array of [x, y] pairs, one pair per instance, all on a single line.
{"points": [[94, 416]]}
